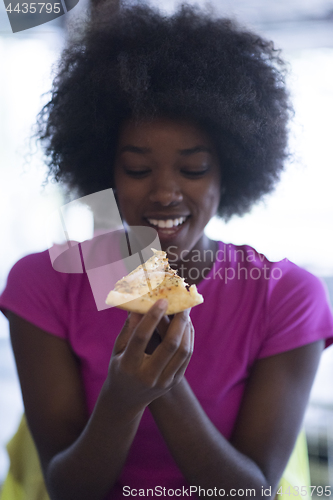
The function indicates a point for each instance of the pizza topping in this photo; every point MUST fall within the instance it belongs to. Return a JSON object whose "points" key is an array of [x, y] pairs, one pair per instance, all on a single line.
{"points": [[154, 280]]}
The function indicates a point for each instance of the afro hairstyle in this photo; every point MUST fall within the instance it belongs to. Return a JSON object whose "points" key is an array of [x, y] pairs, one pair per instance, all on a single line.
{"points": [[141, 64]]}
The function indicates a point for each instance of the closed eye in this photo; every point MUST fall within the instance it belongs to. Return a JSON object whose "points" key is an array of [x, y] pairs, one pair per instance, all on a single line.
{"points": [[194, 173], [137, 173]]}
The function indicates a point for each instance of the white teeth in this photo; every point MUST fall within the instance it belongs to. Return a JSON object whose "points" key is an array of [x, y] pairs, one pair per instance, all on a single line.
{"points": [[169, 223]]}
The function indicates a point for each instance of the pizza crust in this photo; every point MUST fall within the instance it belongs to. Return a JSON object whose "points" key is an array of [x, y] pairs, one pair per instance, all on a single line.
{"points": [[154, 280]]}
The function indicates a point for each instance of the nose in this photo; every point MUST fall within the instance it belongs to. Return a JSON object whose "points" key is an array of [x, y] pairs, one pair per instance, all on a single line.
{"points": [[165, 190]]}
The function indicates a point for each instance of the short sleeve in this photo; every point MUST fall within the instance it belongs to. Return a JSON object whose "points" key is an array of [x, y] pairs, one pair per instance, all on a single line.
{"points": [[35, 292], [297, 310]]}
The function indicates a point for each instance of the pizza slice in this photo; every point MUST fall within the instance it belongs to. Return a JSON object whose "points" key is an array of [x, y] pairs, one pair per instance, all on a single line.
{"points": [[154, 280]]}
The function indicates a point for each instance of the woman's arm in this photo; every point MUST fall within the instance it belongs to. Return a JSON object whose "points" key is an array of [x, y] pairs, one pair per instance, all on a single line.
{"points": [[82, 457], [265, 432]]}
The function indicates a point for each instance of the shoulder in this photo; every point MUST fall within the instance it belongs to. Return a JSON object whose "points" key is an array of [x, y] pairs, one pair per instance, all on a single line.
{"points": [[277, 276], [242, 268], [292, 303], [291, 283], [297, 307], [35, 292], [30, 263], [240, 257], [30, 271]]}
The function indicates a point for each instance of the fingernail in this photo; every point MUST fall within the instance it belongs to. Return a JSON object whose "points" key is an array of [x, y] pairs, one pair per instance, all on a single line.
{"points": [[162, 304]]}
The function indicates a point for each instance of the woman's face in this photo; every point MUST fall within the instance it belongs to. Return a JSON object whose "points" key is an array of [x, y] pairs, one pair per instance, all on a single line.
{"points": [[168, 177]]}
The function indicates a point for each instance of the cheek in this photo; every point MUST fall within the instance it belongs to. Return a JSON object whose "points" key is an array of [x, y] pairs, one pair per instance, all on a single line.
{"points": [[126, 190], [212, 199], [130, 198], [122, 195]]}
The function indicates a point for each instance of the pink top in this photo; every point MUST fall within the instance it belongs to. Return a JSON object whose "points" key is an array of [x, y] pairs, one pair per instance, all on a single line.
{"points": [[253, 309]]}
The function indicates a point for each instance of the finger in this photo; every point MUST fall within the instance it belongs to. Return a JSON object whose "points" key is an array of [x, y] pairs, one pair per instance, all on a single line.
{"points": [[171, 374], [192, 337], [165, 322], [170, 344], [130, 324], [163, 326], [176, 368], [137, 344], [180, 373]]}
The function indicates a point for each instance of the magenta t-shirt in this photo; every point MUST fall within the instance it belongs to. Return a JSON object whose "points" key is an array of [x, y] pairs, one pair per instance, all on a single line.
{"points": [[253, 308]]}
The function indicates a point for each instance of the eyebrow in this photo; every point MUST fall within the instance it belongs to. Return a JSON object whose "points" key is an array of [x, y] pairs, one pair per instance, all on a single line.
{"points": [[184, 152], [134, 149], [196, 149]]}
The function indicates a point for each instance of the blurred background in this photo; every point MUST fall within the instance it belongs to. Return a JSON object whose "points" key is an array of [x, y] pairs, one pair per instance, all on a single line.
{"points": [[295, 222]]}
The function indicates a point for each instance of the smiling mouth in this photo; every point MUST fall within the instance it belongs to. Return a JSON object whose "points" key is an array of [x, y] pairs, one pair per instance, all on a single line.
{"points": [[168, 223]]}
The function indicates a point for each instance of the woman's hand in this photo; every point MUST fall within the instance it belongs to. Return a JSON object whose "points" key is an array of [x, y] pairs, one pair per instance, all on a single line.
{"points": [[72, 444], [136, 378]]}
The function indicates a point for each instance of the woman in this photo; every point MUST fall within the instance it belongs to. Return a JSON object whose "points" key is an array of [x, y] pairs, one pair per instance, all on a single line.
{"points": [[184, 117]]}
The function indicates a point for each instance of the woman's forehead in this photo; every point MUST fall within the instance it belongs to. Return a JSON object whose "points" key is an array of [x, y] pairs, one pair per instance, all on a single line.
{"points": [[184, 134]]}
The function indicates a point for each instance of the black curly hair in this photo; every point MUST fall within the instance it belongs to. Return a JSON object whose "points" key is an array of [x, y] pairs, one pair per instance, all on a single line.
{"points": [[141, 64]]}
